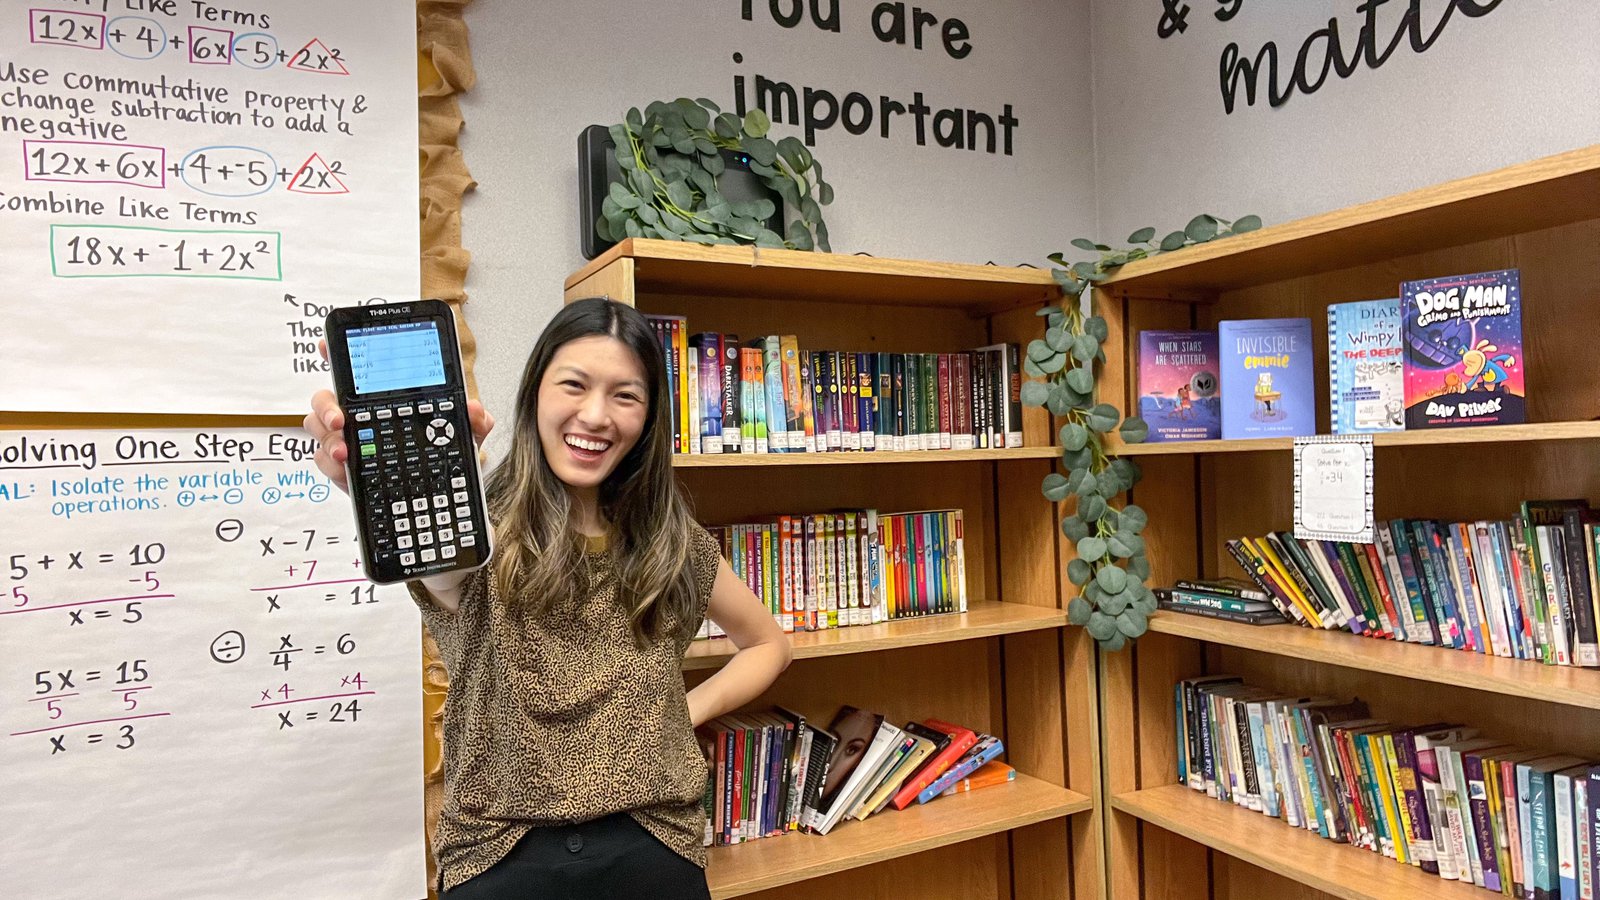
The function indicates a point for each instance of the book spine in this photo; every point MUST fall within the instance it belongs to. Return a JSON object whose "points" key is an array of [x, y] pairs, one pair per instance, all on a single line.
{"points": [[1585, 646], [1013, 390], [946, 402], [961, 388], [962, 769], [1482, 829], [728, 347], [883, 419], [867, 399]]}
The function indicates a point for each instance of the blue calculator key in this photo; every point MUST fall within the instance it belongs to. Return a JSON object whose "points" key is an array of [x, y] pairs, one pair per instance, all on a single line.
{"points": [[365, 434]]}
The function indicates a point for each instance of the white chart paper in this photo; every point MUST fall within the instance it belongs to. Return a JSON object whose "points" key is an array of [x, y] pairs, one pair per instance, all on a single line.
{"points": [[200, 695], [1333, 488], [186, 188]]}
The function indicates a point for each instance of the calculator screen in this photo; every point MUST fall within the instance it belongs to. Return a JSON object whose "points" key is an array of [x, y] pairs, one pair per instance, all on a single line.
{"points": [[395, 357]]}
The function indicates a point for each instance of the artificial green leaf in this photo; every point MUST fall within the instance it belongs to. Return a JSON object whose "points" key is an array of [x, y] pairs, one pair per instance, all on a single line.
{"points": [[1055, 487], [1054, 364], [1091, 548], [705, 147], [1078, 572], [1112, 602], [800, 235], [1112, 579], [703, 182], [1139, 567], [1131, 623], [1039, 351], [1101, 626], [603, 229], [1080, 380], [1115, 643], [1173, 241], [632, 228], [1087, 485], [1092, 508], [1057, 339], [1073, 436], [1084, 270], [1128, 470], [1060, 400], [1084, 244], [1079, 610], [793, 152], [643, 184], [762, 150], [824, 193], [679, 195], [1124, 545], [1142, 236], [610, 209], [822, 238], [648, 215], [756, 124], [695, 116], [684, 145], [1084, 347], [1109, 484], [1248, 223], [1035, 393], [1096, 326], [1092, 592], [1074, 529], [1134, 430], [1031, 368], [1134, 519], [1201, 228], [810, 211], [1103, 417], [1056, 319], [765, 237], [726, 127]]}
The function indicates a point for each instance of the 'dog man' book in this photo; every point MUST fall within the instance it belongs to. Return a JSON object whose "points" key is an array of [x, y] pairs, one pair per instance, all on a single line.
{"points": [[1463, 338]]}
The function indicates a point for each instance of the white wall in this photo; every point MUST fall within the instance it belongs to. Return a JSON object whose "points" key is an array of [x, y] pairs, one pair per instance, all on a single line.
{"points": [[1518, 83], [547, 69]]}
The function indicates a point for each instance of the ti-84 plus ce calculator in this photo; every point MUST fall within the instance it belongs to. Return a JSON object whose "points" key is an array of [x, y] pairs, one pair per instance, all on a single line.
{"points": [[412, 462]]}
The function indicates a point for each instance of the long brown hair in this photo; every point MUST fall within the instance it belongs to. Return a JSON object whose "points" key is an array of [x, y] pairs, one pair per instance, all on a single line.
{"points": [[539, 552]]}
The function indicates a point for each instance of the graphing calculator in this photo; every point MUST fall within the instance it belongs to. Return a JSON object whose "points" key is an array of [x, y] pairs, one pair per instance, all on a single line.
{"points": [[412, 462]]}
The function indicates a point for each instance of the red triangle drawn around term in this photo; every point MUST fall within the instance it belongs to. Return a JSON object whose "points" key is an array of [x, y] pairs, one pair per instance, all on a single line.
{"points": [[316, 57], [316, 177]]}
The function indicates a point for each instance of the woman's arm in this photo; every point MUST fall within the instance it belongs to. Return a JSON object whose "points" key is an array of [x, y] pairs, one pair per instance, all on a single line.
{"points": [[763, 649]]}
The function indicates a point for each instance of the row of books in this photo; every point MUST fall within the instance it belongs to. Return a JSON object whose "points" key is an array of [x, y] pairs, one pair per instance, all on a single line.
{"points": [[1446, 352], [856, 567], [1521, 822], [1527, 588], [774, 772], [768, 395]]}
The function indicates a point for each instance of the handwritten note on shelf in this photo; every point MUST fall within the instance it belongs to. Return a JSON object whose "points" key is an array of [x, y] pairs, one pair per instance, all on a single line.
{"points": [[186, 188], [200, 695], [1333, 488]]}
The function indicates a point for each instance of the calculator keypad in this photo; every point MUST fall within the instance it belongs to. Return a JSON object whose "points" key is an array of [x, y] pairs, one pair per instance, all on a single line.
{"points": [[419, 487]]}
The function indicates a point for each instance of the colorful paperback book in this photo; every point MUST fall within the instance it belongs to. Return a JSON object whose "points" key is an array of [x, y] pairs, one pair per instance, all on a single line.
{"points": [[1178, 394], [1267, 384], [1366, 367], [1463, 339]]}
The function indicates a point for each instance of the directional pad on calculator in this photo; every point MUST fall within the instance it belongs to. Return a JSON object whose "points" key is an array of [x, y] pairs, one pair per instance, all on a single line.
{"points": [[440, 432]]}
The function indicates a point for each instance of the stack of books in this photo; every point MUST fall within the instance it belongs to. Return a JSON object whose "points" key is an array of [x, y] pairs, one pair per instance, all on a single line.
{"points": [[1222, 598], [774, 772], [1440, 796], [856, 567], [1525, 588], [769, 395]]}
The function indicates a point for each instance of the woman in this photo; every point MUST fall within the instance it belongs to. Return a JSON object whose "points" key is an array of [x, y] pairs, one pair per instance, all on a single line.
{"points": [[571, 766]]}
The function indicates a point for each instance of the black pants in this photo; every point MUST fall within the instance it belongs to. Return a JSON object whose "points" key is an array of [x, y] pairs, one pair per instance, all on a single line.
{"points": [[608, 858]]}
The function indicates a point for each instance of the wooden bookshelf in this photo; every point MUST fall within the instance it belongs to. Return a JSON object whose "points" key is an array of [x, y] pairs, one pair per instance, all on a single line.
{"points": [[1337, 870], [983, 619], [774, 862], [1542, 217], [1010, 666], [858, 458], [1486, 434], [1524, 678]]}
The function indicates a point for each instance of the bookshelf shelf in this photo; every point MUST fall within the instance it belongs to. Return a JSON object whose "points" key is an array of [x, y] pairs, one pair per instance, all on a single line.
{"points": [[858, 458], [1524, 678], [1337, 869], [1539, 194], [1541, 217], [1486, 434], [981, 620], [773, 862]]}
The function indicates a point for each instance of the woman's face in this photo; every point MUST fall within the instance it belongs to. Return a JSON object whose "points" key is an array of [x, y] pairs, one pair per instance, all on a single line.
{"points": [[593, 405]]}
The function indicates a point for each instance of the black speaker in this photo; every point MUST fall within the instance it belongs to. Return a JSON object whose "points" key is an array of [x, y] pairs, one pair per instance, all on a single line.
{"points": [[597, 168]]}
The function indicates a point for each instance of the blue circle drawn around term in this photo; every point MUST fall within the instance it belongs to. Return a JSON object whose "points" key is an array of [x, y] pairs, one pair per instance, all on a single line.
{"points": [[272, 59], [273, 171], [186, 498], [271, 495], [318, 493], [233, 496], [161, 45]]}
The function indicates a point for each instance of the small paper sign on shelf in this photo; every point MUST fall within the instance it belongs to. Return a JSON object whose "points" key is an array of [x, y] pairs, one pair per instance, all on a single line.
{"points": [[1333, 488]]}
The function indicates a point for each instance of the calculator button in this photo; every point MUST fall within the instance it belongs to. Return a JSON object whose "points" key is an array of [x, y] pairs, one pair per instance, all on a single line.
{"points": [[402, 524], [441, 518], [365, 434], [446, 534], [468, 540], [424, 408], [429, 556], [460, 481], [448, 551], [463, 513], [425, 539], [363, 416], [464, 526], [440, 501], [408, 559], [405, 411], [446, 405], [403, 542], [369, 450], [460, 496], [419, 504], [385, 414], [398, 507], [423, 521]]}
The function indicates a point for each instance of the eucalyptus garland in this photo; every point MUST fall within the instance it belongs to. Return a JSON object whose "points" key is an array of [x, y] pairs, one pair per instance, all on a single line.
{"points": [[1111, 568], [670, 157]]}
